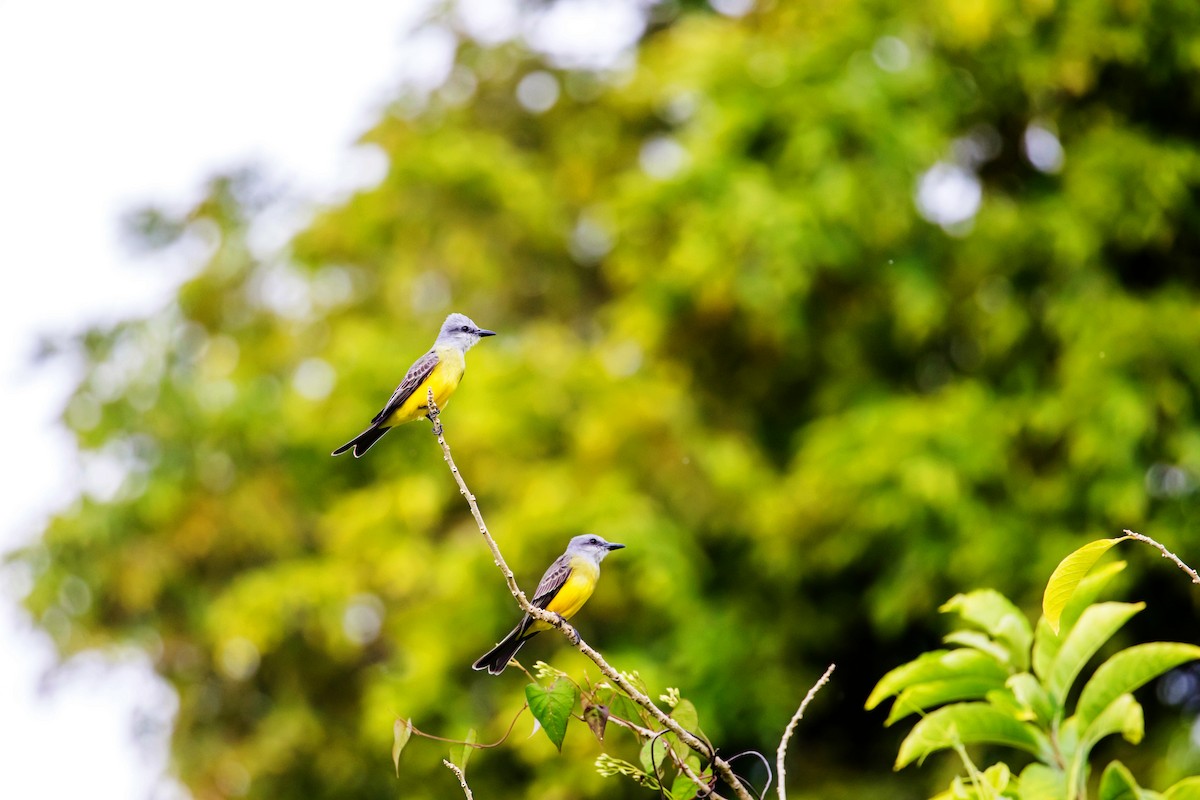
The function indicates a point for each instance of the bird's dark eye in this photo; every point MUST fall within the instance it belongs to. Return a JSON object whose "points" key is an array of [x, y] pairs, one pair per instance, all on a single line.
{"points": [[465, 329], [594, 541]]}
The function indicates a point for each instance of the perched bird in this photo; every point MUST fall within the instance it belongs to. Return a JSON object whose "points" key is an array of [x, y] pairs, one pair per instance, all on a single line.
{"points": [[563, 590], [441, 369]]}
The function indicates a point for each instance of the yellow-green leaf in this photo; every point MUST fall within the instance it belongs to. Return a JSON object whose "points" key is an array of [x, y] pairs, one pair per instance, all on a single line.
{"points": [[1067, 575], [968, 723], [401, 733], [1186, 789], [1128, 670], [1117, 783]]}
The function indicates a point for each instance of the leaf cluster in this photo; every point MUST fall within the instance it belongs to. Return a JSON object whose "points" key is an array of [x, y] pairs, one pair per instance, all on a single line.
{"points": [[1008, 684]]}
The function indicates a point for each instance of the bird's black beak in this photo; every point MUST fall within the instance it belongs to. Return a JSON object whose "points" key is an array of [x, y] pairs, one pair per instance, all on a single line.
{"points": [[614, 546], [485, 332]]}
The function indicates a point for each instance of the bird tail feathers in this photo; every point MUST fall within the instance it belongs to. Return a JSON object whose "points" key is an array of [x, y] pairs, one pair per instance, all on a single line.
{"points": [[496, 659], [362, 443]]}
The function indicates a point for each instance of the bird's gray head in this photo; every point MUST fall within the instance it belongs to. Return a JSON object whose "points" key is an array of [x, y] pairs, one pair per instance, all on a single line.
{"points": [[458, 330], [592, 546]]}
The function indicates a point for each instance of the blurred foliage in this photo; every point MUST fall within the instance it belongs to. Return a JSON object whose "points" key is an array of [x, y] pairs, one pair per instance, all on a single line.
{"points": [[730, 337]]}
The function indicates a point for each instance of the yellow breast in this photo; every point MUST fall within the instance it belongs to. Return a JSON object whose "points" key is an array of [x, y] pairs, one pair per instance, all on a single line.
{"points": [[575, 592], [443, 379]]}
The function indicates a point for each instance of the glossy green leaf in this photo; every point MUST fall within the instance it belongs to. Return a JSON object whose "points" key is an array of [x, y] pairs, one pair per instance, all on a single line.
{"points": [[1046, 641], [1067, 575], [1096, 626], [996, 616], [1040, 782], [1088, 592], [967, 723], [1117, 783], [1127, 671], [552, 707], [938, 665], [924, 696], [1123, 715], [1031, 694], [981, 642]]}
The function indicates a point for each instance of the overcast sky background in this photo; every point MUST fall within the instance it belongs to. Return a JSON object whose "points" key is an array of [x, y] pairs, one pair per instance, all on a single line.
{"points": [[105, 107]]}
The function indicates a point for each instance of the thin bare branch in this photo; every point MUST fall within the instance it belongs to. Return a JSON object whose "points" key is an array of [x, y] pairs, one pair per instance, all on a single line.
{"points": [[462, 779], [720, 766], [787, 733], [1166, 554]]}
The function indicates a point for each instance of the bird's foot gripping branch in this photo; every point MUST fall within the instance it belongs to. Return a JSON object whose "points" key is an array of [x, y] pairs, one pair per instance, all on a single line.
{"points": [[674, 758]]}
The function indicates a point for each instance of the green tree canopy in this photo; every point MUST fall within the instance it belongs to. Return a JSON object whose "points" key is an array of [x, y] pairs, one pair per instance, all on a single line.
{"points": [[828, 312]]}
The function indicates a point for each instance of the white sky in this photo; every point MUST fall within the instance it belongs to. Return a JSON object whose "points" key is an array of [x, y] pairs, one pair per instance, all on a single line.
{"points": [[103, 107]]}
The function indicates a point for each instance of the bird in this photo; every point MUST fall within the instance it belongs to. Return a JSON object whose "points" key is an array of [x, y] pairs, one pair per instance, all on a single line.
{"points": [[440, 369], [566, 586]]}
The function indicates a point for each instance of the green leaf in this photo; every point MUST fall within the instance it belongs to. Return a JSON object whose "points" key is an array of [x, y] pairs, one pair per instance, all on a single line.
{"points": [[937, 665], [1067, 575], [460, 754], [1117, 783], [1124, 716], [685, 714], [683, 788], [1087, 593], [552, 707], [1095, 627], [401, 733], [935, 693], [968, 723], [1030, 693], [996, 616], [982, 643], [1040, 782], [1186, 789], [1046, 642], [654, 754], [996, 778], [1127, 671]]}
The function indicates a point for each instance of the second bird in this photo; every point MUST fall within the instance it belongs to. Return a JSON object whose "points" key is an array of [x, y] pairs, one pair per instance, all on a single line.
{"points": [[566, 586], [441, 369]]}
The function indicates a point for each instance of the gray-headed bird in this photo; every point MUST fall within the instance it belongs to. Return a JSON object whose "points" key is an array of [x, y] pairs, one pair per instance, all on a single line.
{"points": [[563, 590], [441, 369]]}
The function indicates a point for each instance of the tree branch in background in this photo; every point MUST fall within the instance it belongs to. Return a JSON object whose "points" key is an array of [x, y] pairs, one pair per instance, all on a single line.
{"points": [[787, 733], [720, 766], [1166, 554]]}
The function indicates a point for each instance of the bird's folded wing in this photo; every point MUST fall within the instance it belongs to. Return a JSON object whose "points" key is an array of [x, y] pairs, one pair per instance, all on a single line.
{"points": [[552, 581], [417, 374]]}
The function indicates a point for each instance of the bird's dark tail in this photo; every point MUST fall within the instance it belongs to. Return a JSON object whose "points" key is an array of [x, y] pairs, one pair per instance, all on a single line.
{"points": [[362, 443], [496, 659]]}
